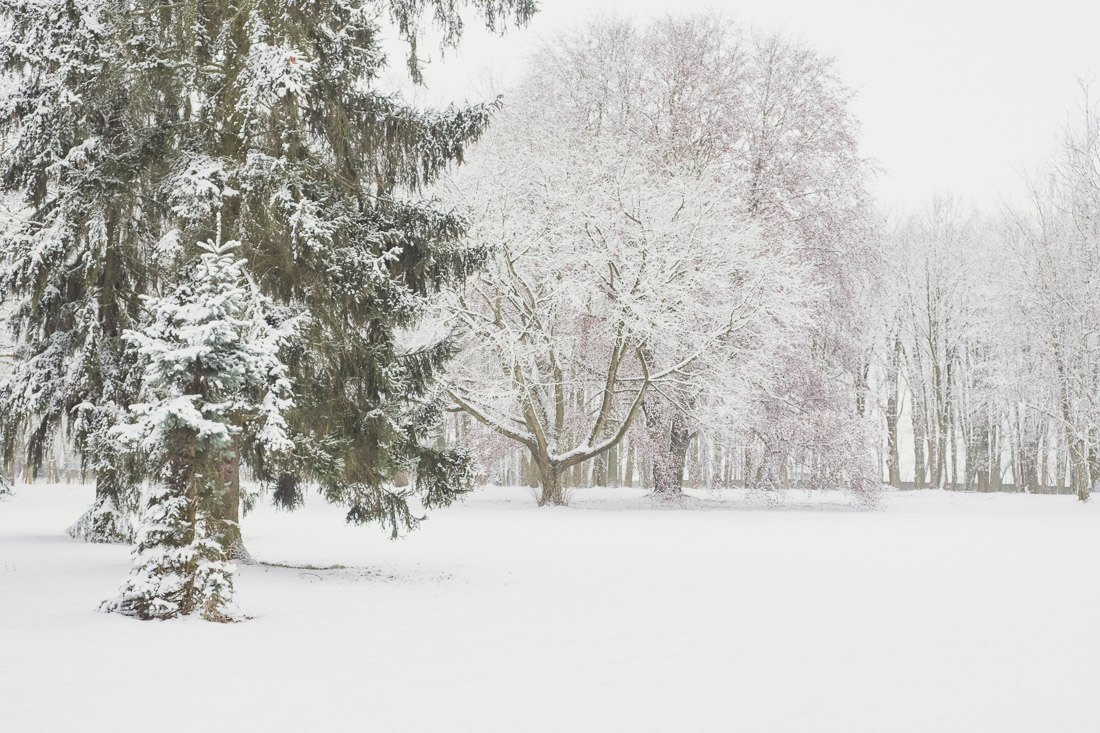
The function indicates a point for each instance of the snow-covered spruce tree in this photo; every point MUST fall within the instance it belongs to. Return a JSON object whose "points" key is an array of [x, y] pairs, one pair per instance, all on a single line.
{"points": [[71, 261], [260, 121], [314, 167], [212, 374]]}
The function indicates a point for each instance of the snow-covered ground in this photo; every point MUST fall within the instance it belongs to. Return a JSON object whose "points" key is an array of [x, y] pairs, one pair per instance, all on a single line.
{"points": [[938, 612]]}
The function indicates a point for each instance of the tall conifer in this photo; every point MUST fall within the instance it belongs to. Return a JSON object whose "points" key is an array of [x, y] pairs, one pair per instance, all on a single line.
{"points": [[74, 262], [140, 129]]}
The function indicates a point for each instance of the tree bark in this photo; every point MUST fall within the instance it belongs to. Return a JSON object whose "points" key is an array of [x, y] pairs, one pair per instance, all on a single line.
{"points": [[227, 506], [894, 459], [1079, 467], [1041, 468], [599, 470], [1061, 459], [981, 458], [668, 472], [612, 469], [995, 457], [1028, 458], [918, 446], [550, 480]]}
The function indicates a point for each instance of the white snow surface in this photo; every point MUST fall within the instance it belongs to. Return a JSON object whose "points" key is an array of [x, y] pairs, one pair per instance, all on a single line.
{"points": [[937, 612]]}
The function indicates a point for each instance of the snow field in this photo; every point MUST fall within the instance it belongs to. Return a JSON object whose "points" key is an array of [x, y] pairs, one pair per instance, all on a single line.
{"points": [[938, 612]]}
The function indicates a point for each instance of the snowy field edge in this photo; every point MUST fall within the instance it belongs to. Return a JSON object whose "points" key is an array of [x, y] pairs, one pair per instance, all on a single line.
{"points": [[938, 611]]}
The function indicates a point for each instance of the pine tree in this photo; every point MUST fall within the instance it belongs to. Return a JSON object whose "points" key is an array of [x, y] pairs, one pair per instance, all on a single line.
{"points": [[72, 264], [212, 373], [258, 121]]}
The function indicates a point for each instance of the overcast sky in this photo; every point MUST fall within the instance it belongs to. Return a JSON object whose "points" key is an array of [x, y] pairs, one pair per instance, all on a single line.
{"points": [[958, 96]]}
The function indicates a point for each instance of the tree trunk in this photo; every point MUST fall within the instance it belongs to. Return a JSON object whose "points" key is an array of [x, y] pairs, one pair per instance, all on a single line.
{"points": [[599, 470], [954, 452], [1093, 465], [1061, 459], [918, 446], [1044, 449], [995, 457], [861, 375], [938, 437], [550, 481], [578, 478], [981, 458], [227, 507], [668, 473], [894, 459], [612, 466], [1028, 459], [1079, 467]]}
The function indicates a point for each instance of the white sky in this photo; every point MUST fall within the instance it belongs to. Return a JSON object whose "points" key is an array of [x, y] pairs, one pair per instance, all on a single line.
{"points": [[959, 96]]}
